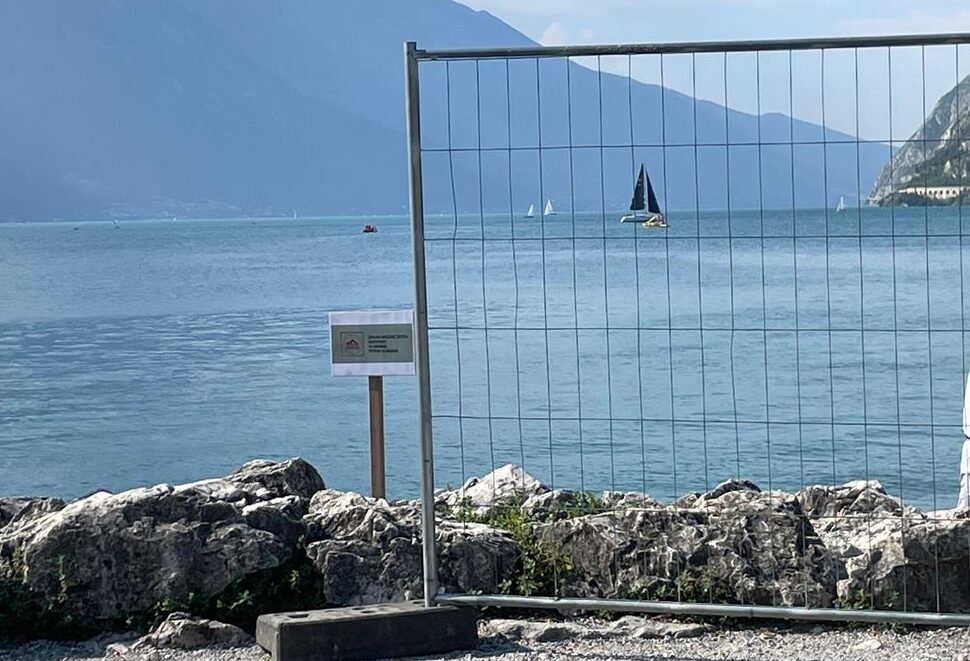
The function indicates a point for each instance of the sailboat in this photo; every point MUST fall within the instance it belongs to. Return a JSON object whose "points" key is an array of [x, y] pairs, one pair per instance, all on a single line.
{"points": [[644, 204], [294, 214], [531, 213], [548, 211], [841, 207]]}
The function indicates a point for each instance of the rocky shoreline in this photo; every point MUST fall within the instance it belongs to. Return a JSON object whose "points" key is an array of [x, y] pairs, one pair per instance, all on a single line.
{"points": [[271, 537]]}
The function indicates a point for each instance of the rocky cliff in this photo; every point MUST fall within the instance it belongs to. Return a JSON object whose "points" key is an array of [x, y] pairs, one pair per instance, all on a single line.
{"points": [[937, 154]]}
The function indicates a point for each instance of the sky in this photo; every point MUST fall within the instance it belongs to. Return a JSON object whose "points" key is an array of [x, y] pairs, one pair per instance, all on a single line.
{"points": [[557, 22], [554, 22]]}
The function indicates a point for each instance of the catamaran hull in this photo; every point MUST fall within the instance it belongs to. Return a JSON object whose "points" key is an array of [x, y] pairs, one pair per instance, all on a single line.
{"points": [[646, 220]]}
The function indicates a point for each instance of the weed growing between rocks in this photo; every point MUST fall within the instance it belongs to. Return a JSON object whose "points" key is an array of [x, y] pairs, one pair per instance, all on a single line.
{"points": [[539, 564], [864, 600]]}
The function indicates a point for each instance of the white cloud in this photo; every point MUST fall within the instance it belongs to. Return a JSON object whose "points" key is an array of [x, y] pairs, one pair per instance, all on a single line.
{"points": [[554, 35]]}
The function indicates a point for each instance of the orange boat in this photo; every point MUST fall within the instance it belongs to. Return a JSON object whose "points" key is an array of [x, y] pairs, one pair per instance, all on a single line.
{"points": [[369, 229]]}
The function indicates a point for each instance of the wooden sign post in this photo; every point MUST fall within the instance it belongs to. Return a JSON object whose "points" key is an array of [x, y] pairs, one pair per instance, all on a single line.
{"points": [[376, 399], [375, 344]]}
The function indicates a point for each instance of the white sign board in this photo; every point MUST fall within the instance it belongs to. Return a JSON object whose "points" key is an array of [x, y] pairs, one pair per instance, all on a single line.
{"points": [[372, 343]]}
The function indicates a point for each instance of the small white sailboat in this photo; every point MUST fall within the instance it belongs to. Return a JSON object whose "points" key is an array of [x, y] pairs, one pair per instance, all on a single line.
{"points": [[548, 211], [531, 213], [644, 205], [841, 206], [114, 221], [294, 214]]}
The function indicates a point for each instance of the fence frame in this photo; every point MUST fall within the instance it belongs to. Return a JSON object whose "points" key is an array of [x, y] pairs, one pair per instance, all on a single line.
{"points": [[413, 56]]}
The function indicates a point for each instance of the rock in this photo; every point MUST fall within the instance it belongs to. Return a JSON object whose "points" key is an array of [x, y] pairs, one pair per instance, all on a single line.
{"points": [[888, 554], [474, 557], [659, 629], [181, 631], [511, 629], [293, 477], [917, 564], [480, 494], [737, 545], [870, 645], [686, 501], [628, 500], [557, 504], [853, 498], [111, 555], [628, 623], [539, 632], [123, 651], [542, 632], [727, 487], [369, 551], [281, 516], [17, 510]]}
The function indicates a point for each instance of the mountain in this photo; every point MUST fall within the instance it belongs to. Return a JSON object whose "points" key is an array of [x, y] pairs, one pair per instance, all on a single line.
{"points": [[139, 107], [937, 155]]}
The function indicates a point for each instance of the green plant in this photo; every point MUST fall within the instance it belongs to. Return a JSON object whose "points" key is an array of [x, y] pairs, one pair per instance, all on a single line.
{"points": [[862, 599], [539, 564]]}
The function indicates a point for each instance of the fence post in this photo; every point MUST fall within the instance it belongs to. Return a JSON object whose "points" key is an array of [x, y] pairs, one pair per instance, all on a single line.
{"points": [[421, 359]]}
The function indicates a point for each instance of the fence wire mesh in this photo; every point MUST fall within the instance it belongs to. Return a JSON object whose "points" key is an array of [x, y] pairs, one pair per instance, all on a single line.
{"points": [[760, 403]]}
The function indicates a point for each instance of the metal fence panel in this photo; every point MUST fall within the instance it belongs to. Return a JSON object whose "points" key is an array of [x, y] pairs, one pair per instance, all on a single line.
{"points": [[753, 411]]}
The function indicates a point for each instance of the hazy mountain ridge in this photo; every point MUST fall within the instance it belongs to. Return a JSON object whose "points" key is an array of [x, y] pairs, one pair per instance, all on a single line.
{"points": [[129, 107], [937, 154]]}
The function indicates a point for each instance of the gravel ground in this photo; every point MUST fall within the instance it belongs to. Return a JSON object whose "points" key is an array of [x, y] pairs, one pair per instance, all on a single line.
{"points": [[737, 644]]}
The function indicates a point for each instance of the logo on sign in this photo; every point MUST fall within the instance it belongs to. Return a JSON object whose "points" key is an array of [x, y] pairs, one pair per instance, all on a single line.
{"points": [[353, 344]]}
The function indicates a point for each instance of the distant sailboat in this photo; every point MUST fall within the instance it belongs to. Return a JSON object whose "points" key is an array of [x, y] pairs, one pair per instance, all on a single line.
{"points": [[841, 206], [548, 211], [644, 204], [294, 214], [531, 213], [115, 222]]}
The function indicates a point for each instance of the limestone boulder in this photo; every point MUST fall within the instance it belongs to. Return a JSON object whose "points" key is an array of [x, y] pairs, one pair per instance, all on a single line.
{"points": [[110, 555], [888, 555], [735, 544], [17, 510], [267, 479], [369, 551], [181, 631], [479, 495]]}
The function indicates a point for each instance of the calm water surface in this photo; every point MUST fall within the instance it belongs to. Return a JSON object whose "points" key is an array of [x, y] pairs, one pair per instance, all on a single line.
{"points": [[171, 351]]}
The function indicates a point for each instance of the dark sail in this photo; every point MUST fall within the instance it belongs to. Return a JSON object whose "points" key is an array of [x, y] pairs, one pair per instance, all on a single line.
{"points": [[652, 205], [638, 203]]}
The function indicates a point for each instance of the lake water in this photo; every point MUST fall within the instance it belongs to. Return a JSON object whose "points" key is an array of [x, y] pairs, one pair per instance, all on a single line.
{"points": [[167, 351]]}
